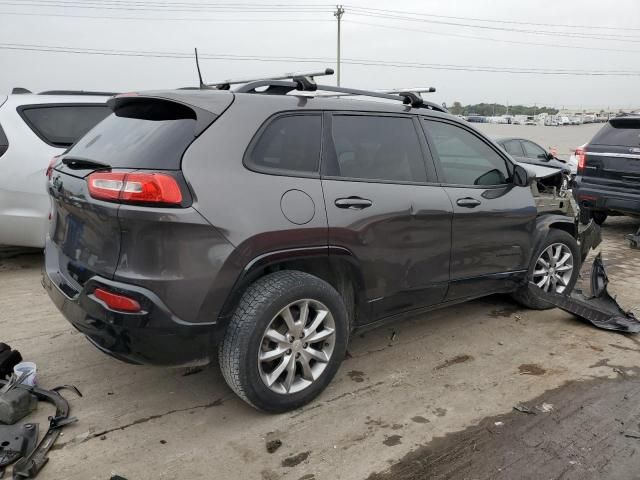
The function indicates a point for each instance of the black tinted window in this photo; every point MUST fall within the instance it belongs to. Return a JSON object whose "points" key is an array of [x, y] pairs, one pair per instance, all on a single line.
{"points": [[4, 142], [140, 134], [290, 143], [534, 151], [62, 125], [375, 148], [464, 158], [513, 147], [623, 132]]}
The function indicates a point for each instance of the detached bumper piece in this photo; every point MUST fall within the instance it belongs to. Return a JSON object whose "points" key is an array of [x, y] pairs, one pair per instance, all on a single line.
{"points": [[601, 309]]}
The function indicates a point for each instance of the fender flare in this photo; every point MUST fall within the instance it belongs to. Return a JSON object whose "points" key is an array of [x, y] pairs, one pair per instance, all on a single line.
{"points": [[544, 223]]}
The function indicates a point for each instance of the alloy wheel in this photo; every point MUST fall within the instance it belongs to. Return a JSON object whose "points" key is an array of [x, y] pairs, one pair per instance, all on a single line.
{"points": [[296, 346], [554, 268]]}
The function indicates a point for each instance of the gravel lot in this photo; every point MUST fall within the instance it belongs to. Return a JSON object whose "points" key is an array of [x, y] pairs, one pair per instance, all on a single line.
{"points": [[401, 387]]}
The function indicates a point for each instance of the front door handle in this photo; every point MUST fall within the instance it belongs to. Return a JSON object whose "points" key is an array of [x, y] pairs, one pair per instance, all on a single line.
{"points": [[468, 202], [354, 203]]}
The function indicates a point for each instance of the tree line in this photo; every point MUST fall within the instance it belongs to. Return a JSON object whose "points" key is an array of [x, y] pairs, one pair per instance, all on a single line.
{"points": [[489, 109]]}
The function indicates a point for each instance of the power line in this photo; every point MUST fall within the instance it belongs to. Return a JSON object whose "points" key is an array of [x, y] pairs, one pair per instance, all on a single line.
{"points": [[504, 29], [499, 40], [289, 59], [515, 22], [170, 19], [132, 7]]}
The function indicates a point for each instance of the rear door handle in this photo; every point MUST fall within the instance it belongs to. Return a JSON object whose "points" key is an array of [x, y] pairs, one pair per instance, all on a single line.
{"points": [[468, 202], [354, 203]]}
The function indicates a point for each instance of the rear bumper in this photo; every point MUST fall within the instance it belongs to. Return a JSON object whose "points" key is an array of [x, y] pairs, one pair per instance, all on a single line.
{"points": [[597, 197], [154, 336]]}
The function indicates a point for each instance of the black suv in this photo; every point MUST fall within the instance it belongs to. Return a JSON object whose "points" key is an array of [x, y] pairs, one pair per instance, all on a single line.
{"points": [[265, 225], [608, 180]]}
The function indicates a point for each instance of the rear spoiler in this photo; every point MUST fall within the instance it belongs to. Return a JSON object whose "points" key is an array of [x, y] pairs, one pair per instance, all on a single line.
{"points": [[203, 117]]}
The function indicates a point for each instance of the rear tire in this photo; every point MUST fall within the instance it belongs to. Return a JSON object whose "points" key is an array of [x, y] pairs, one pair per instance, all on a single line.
{"points": [[525, 295], [274, 350], [599, 217]]}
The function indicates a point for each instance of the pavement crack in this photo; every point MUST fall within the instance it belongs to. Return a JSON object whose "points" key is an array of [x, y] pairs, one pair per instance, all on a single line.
{"points": [[139, 421]]}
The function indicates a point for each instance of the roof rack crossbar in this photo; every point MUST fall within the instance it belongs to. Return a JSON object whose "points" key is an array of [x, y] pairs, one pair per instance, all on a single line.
{"points": [[282, 87], [296, 76]]}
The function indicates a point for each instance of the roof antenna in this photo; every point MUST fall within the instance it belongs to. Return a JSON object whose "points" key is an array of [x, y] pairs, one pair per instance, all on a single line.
{"points": [[202, 85]]}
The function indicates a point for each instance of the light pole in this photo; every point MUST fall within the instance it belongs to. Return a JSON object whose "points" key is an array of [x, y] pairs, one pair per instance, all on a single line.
{"points": [[338, 14]]}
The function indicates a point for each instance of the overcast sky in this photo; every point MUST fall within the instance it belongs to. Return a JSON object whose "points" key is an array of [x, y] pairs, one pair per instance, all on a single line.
{"points": [[312, 35]]}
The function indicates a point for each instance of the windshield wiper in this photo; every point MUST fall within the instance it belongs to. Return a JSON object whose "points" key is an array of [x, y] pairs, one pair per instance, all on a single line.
{"points": [[77, 163]]}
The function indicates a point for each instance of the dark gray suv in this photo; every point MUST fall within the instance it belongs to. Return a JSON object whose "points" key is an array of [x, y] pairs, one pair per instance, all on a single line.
{"points": [[264, 226]]}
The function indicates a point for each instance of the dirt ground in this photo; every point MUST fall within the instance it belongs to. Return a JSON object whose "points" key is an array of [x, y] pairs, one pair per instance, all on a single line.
{"points": [[460, 369]]}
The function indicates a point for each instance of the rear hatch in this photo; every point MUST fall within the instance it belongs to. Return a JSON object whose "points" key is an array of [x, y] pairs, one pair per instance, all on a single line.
{"points": [[612, 158], [133, 157]]}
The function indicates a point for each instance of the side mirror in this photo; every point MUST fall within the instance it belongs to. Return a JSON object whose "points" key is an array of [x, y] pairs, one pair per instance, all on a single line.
{"points": [[550, 156], [522, 177]]}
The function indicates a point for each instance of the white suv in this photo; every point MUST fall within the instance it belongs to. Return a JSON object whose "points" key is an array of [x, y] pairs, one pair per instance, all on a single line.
{"points": [[33, 129]]}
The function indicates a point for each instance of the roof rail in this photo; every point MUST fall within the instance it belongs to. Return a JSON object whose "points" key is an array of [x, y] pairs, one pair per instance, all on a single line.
{"points": [[280, 87], [306, 79], [77, 92], [19, 90]]}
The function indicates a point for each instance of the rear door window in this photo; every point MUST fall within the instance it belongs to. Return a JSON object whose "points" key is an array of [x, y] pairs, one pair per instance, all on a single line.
{"points": [[289, 144], [62, 125], [371, 147], [464, 158], [146, 134], [513, 147], [4, 142]]}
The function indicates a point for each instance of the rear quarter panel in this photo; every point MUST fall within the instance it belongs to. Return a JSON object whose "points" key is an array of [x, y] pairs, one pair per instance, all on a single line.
{"points": [[245, 206]]}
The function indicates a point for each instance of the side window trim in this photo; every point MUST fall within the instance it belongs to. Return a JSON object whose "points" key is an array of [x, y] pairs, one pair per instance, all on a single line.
{"points": [[327, 145], [22, 108], [436, 158], [249, 164]]}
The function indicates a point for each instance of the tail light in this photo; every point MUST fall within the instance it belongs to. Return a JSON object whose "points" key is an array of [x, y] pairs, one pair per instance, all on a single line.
{"points": [[117, 302], [52, 163], [124, 187], [582, 158]]}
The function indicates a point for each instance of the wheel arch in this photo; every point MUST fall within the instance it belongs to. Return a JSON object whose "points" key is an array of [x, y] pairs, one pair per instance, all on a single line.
{"points": [[545, 223], [335, 265]]}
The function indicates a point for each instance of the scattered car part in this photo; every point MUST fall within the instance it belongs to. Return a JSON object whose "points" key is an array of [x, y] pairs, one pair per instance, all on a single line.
{"points": [[601, 309], [8, 359], [634, 239], [16, 404], [16, 442], [30, 465], [589, 237]]}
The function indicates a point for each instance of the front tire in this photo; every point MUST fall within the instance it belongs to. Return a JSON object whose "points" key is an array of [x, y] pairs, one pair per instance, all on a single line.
{"points": [[554, 266], [285, 341]]}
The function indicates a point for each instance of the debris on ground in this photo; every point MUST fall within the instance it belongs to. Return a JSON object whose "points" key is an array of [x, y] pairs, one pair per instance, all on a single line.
{"points": [[634, 239], [601, 309], [524, 409], [29, 463], [632, 434], [546, 407]]}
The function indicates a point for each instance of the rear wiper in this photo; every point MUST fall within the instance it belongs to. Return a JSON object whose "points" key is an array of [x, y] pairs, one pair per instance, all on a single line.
{"points": [[77, 163]]}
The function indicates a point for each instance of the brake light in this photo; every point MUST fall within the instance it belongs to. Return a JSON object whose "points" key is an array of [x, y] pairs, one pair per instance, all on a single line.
{"points": [[135, 187], [117, 302], [52, 163], [582, 158]]}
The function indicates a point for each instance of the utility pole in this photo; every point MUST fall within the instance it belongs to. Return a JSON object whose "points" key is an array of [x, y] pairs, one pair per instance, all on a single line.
{"points": [[338, 14]]}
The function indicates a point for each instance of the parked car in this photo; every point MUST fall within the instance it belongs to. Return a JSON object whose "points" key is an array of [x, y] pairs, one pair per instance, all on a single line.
{"points": [[608, 180], [526, 151], [33, 129], [266, 228]]}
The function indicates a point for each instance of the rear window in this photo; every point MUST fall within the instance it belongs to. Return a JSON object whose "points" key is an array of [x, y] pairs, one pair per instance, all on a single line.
{"points": [[62, 125], [147, 134], [4, 142], [289, 144], [622, 132]]}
